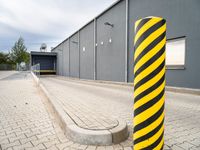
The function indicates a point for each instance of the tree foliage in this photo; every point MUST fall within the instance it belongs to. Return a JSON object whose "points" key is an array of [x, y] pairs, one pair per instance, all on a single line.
{"points": [[3, 58], [19, 52]]}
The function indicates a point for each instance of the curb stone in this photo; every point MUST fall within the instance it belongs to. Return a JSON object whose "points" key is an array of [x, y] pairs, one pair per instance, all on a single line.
{"points": [[81, 135]]}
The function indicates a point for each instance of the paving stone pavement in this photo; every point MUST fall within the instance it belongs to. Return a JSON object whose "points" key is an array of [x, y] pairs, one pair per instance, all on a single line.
{"points": [[182, 124], [27, 121], [182, 121], [91, 106]]}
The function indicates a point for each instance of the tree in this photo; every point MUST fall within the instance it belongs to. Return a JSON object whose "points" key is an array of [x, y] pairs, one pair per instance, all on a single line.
{"points": [[4, 58], [19, 52]]}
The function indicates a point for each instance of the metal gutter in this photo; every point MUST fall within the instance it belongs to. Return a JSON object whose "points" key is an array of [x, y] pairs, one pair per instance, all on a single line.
{"points": [[95, 49], [126, 42], [43, 53], [79, 54], [69, 57]]}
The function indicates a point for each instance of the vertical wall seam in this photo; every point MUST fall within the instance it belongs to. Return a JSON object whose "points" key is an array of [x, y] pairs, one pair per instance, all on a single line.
{"points": [[95, 61], [126, 42], [79, 54], [69, 57], [62, 68]]}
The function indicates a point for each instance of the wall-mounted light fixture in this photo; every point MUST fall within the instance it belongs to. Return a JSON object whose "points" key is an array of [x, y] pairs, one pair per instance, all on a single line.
{"points": [[74, 42], [109, 24], [110, 40], [84, 49]]}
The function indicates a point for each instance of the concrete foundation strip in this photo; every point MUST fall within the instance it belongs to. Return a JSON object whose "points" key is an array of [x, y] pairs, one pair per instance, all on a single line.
{"points": [[85, 136], [168, 88]]}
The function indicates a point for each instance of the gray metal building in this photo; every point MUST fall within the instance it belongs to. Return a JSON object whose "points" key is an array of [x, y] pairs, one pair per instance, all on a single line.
{"points": [[103, 48]]}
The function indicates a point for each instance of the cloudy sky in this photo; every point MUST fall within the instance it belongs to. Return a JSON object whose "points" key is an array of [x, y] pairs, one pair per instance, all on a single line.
{"points": [[44, 21]]}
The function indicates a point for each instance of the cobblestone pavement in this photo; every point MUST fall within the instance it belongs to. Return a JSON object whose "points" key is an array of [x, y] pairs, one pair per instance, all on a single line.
{"points": [[26, 124]]}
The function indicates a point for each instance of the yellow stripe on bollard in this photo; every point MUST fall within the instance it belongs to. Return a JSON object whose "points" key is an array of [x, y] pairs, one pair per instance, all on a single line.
{"points": [[149, 83]]}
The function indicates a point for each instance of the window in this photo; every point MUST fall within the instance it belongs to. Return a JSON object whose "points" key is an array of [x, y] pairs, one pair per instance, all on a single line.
{"points": [[175, 53]]}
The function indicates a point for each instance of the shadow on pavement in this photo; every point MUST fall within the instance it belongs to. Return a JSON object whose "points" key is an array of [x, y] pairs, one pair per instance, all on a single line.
{"points": [[16, 76]]}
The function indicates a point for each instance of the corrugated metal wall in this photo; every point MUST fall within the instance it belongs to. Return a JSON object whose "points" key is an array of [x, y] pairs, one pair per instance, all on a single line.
{"points": [[74, 55], [59, 51], [79, 57], [66, 58], [87, 52], [182, 20], [111, 44]]}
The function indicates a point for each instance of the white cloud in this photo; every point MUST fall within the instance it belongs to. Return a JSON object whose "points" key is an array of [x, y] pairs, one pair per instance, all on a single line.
{"points": [[47, 18]]}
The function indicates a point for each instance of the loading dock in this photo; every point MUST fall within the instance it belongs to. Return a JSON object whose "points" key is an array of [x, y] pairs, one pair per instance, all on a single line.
{"points": [[46, 61]]}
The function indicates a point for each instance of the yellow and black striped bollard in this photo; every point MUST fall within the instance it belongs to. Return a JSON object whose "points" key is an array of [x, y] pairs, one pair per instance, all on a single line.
{"points": [[149, 83]]}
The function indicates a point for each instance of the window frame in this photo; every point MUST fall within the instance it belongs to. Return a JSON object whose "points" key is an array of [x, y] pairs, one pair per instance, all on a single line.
{"points": [[177, 67]]}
